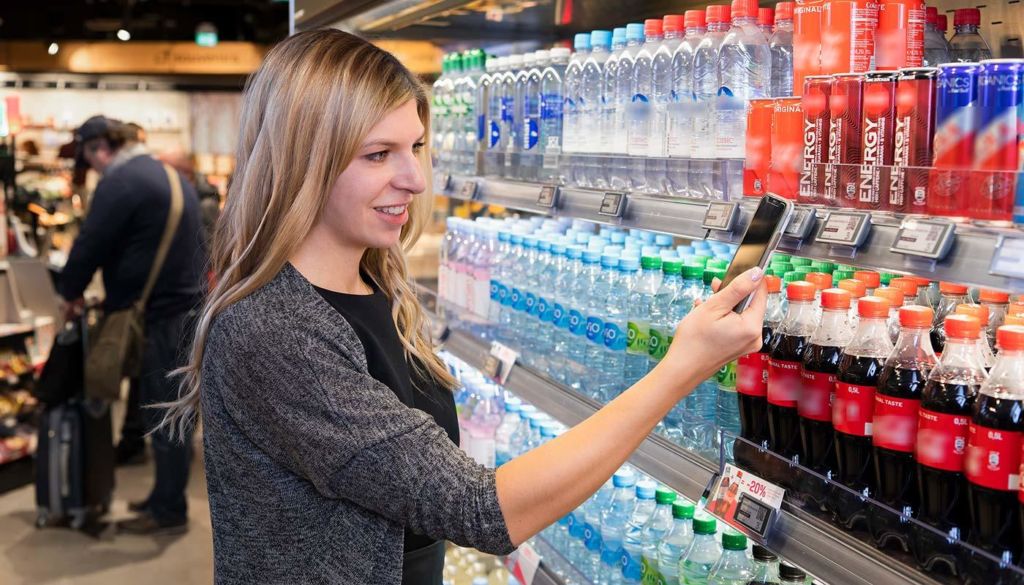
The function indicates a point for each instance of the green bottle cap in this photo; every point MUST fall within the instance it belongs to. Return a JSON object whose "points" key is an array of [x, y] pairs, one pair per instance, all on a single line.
{"points": [[828, 267], [782, 267], [716, 263], [781, 258], [682, 510], [801, 261], [841, 275], [664, 495], [672, 266], [886, 277], [846, 267], [701, 260], [792, 276], [804, 269], [704, 524], [693, 272], [734, 541], [650, 262]]}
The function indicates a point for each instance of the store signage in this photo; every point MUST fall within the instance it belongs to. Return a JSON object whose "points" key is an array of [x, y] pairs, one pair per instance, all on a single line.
{"points": [[499, 362], [720, 216], [548, 196], [469, 190], [613, 204], [745, 501], [845, 228], [523, 563], [926, 238], [1008, 259], [801, 223]]}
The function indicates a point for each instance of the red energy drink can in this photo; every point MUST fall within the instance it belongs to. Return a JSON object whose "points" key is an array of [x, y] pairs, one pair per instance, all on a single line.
{"points": [[912, 152], [787, 148], [879, 121], [814, 105], [844, 104], [848, 35], [899, 41], [759, 147]]}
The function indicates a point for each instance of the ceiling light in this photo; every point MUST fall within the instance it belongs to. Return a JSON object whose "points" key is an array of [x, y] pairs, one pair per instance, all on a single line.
{"points": [[53, 48], [123, 34]]}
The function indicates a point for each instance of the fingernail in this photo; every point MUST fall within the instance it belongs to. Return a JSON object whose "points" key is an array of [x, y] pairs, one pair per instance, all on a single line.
{"points": [[756, 273]]}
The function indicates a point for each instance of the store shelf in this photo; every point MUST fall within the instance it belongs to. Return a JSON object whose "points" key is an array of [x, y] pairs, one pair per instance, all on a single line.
{"points": [[830, 554], [969, 260]]}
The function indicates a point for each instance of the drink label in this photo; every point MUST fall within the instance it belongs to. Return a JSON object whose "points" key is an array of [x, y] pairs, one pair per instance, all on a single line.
{"points": [[895, 423], [559, 316], [638, 334], [632, 567], [591, 537], [544, 307], [530, 304], [495, 287], [730, 125], [595, 328], [611, 553], [816, 398], [783, 383], [614, 337], [531, 133], [651, 574], [852, 409], [726, 377], [993, 457], [576, 525], [518, 300], [941, 439], [577, 322], [752, 374], [658, 344]]}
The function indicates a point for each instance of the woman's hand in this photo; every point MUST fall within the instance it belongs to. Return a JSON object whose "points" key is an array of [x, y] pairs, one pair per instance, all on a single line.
{"points": [[713, 334]]}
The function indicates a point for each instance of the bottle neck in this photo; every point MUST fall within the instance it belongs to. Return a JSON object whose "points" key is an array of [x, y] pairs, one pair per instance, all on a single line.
{"points": [[744, 20], [872, 338], [1007, 374], [966, 29], [961, 352], [800, 315], [784, 24], [914, 347], [717, 27], [653, 39], [696, 31], [834, 328]]}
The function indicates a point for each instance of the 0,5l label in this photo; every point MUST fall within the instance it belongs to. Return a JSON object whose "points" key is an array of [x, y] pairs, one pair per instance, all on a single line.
{"points": [[752, 374], [783, 383], [993, 458], [638, 336], [614, 337], [657, 346], [816, 398], [895, 423], [595, 329], [941, 439], [852, 409]]}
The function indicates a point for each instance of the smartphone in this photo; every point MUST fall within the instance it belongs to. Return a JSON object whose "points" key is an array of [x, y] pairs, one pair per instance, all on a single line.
{"points": [[760, 239]]}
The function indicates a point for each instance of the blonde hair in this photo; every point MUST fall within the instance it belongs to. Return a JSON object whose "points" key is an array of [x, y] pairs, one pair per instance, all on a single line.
{"points": [[305, 113]]}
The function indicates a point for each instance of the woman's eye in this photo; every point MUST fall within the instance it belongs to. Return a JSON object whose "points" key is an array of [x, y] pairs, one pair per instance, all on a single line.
{"points": [[377, 156], [416, 148]]}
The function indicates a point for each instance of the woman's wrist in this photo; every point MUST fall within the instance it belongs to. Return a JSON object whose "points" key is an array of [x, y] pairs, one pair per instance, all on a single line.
{"points": [[677, 378]]}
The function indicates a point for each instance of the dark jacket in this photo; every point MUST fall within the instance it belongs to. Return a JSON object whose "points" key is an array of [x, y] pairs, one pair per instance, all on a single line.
{"points": [[120, 236]]}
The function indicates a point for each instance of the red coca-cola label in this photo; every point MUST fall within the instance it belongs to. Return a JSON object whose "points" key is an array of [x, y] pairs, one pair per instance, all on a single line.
{"points": [[783, 383], [993, 457], [852, 409], [816, 397], [941, 439], [895, 423], [752, 377]]}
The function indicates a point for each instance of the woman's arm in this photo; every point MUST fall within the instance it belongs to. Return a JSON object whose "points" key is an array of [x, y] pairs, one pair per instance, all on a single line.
{"points": [[543, 485]]}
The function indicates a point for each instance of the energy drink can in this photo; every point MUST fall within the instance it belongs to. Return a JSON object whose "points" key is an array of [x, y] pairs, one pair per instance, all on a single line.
{"points": [[956, 98], [899, 41], [787, 147], [848, 35], [879, 121], [807, 40], [912, 150], [995, 145], [759, 147], [844, 148], [814, 104]]}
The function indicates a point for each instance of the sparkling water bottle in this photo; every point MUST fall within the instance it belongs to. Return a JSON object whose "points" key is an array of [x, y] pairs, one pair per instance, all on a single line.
{"points": [[630, 564], [640, 110], [614, 520], [682, 111], [705, 89], [727, 408], [675, 543], [662, 327], [638, 335], [654, 531], [781, 46], [530, 137], [704, 552], [620, 165], [733, 567], [663, 175], [551, 116], [591, 172], [571, 93], [595, 353], [615, 327], [607, 136]]}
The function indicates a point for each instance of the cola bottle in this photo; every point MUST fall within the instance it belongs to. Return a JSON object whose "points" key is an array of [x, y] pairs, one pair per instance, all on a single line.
{"points": [[894, 429], [942, 424], [897, 298], [952, 295], [981, 313], [992, 463], [785, 359], [752, 384], [852, 408], [998, 304], [857, 290], [821, 363]]}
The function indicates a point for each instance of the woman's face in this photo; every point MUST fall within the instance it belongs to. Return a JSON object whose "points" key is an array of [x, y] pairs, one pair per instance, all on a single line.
{"points": [[369, 202]]}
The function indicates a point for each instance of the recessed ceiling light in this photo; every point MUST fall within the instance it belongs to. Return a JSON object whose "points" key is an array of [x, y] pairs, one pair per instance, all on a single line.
{"points": [[53, 48], [123, 34]]}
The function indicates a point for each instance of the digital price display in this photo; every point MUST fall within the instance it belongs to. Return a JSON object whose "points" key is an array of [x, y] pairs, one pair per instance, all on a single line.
{"points": [[925, 238], [845, 228], [720, 216], [612, 204]]}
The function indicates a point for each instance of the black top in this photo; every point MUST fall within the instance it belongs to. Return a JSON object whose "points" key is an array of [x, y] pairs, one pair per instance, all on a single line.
{"points": [[370, 317], [121, 233]]}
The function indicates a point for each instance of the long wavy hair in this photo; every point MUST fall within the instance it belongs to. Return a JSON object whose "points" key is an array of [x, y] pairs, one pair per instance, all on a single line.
{"points": [[305, 112]]}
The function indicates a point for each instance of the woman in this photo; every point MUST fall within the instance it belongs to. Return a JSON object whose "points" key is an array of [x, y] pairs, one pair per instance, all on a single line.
{"points": [[329, 427]]}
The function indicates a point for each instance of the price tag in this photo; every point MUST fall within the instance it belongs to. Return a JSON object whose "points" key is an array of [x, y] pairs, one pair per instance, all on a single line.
{"points": [[745, 501], [468, 190], [801, 223], [927, 238], [548, 196], [720, 216], [442, 182], [523, 563], [845, 228], [499, 362], [613, 204], [1008, 259]]}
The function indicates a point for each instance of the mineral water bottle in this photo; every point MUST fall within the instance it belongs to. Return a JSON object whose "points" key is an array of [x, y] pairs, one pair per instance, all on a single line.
{"points": [[520, 438], [582, 293], [704, 400], [682, 111], [442, 90], [653, 533], [705, 89], [494, 157], [675, 543], [585, 531], [470, 88], [571, 93], [703, 553], [553, 264], [483, 425], [967, 44], [606, 138], [620, 165], [530, 138], [661, 330], [499, 284], [551, 116], [615, 327], [503, 435], [482, 108], [640, 110], [614, 520], [595, 356], [526, 299], [666, 175], [565, 301], [727, 408], [592, 172], [513, 119], [452, 126], [781, 46], [733, 567], [508, 319], [692, 418], [513, 156], [630, 564], [638, 335]]}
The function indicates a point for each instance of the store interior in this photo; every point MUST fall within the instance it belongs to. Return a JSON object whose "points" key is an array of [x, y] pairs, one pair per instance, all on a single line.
{"points": [[579, 214]]}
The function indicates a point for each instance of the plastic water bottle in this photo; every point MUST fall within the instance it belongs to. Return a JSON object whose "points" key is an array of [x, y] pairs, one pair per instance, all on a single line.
{"points": [[494, 155], [638, 336], [614, 520], [592, 172], [620, 165], [727, 408], [664, 175], [703, 402], [470, 84], [596, 306], [548, 270], [704, 552], [551, 116], [442, 90], [675, 543], [630, 564], [530, 134], [585, 531], [607, 136], [482, 108], [661, 329], [640, 110], [705, 89], [579, 312], [519, 440], [515, 78], [651, 536], [499, 290], [781, 46], [572, 93], [682, 110], [615, 328], [482, 426], [503, 435], [733, 567], [693, 418], [565, 339]]}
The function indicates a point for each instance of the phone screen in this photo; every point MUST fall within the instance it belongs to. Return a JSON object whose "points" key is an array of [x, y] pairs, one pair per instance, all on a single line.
{"points": [[759, 240]]}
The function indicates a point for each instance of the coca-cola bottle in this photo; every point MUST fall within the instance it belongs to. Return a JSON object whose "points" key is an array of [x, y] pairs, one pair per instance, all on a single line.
{"points": [[752, 383], [897, 298], [952, 295], [998, 303], [992, 463], [942, 423], [857, 290], [870, 278], [980, 312], [853, 406], [786, 357], [821, 362], [897, 402]]}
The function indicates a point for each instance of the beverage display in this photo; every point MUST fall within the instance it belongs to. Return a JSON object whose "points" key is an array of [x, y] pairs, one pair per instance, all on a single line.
{"points": [[913, 132], [816, 122], [955, 131], [780, 43], [980, 312], [936, 47], [878, 145], [895, 420], [952, 295], [733, 567], [752, 380], [703, 552], [856, 381], [899, 41], [630, 562], [967, 44], [787, 146], [1000, 95], [844, 140]]}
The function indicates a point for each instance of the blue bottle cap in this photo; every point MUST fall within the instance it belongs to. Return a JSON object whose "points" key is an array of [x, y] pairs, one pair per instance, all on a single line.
{"points": [[663, 240], [619, 35], [635, 31], [646, 489], [618, 237], [530, 241], [544, 244], [574, 252], [601, 38], [558, 248], [513, 404], [610, 261], [591, 256], [516, 239], [624, 478], [629, 263], [581, 42]]}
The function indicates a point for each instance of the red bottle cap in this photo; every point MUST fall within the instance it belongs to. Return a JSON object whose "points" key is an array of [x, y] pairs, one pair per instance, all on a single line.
{"points": [[916, 316], [966, 16], [931, 15], [744, 8], [801, 290], [987, 295], [718, 13], [907, 285], [765, 17], [1014, 320], [873, 307], [952, 288], [652, 27], [979, 311], [774, 283], [694, 18], [821, 280], [920, 281], [673, 23], [963, 327], [856, 287], [784, 11], [894, 295], [870, 278], [1010, 338], [835, 298], [942, 22]]}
